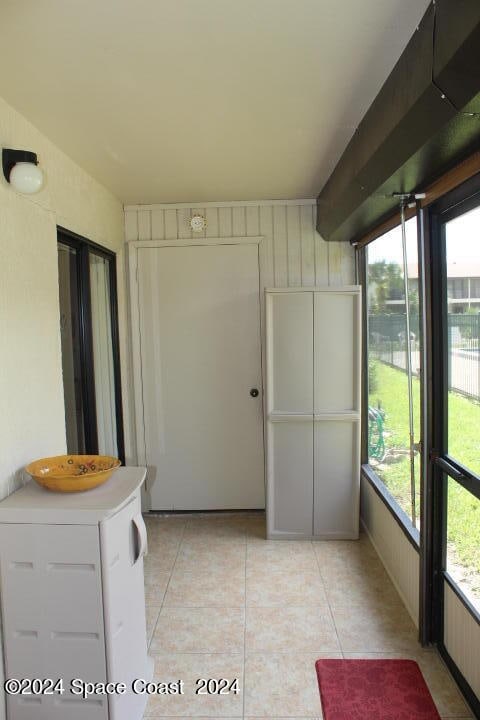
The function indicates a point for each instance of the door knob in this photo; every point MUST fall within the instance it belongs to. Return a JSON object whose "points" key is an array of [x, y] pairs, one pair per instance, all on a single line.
{"points": [[254, 392]]}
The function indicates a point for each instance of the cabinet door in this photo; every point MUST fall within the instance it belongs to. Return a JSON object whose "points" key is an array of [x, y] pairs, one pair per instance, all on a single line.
{"points": [[337, 356], [52, 616], [290, 478], [122, 549], [290, 352], [337, 481]]}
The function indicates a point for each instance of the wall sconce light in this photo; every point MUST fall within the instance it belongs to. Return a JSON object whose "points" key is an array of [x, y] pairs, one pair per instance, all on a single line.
{"points": [[21, 170]]}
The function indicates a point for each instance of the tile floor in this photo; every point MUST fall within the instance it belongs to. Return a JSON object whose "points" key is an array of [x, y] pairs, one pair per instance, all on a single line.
{"points": [[222, 602]]}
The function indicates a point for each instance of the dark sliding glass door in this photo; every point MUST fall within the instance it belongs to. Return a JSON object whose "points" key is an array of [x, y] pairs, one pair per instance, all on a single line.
{"points": [[89, 340], [71, 347], [455, 250]]}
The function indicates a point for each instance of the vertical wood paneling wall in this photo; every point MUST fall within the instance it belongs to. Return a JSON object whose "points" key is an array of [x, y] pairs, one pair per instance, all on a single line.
{"points": [[462, 639], [399, 557], [294, 253]]}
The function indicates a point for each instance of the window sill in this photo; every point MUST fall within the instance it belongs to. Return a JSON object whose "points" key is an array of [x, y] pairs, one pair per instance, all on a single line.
{"points": [[399, 515]]}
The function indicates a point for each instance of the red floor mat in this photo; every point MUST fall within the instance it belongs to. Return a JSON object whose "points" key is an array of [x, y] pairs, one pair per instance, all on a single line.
{"points": [[374, 690]]}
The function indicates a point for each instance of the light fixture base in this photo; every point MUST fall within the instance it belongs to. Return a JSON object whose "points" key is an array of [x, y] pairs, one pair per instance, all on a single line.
{"points": [[11, 157], [198, 223]]}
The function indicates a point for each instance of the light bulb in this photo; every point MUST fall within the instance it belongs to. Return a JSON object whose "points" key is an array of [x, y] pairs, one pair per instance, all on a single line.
{"points": [[26, 177]]}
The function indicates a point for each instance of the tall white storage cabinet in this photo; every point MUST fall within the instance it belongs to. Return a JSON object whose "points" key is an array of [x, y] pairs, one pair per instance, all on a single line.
{"points": [[313, 412], [73, 603]]}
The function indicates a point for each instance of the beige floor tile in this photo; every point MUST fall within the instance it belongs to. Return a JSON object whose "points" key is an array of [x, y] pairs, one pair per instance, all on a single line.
{"points": [[353, 588], [199, 630], [290, 589], [359, 551], [165, 518], [189, 668], [290, 629], [161, 559], [444, 691], [164, 542], [276, 589], [218, 518], [281, 556], [256, 531], [162, 539], [206, 589], [344, 547], [282, 685], [165, 525], [153, 575], [447, 697], [158, 545], [225, 516], [151, 615], [356, 560], [255, 515], [349, 572], [213, 541], [233, 528], [363, 629], [198, 558], [155, 586]]}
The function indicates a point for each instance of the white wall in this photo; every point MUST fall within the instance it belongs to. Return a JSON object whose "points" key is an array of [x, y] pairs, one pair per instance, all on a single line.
{"points": [[295, 254], [400, 558], [462, 639], [32, 421]]}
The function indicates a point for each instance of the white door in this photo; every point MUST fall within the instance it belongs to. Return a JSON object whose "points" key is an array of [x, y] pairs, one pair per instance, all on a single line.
{"points": [[199, 319]]}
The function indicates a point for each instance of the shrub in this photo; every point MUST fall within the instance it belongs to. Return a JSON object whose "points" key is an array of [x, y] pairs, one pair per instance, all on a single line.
{"points": [[372, 375]]}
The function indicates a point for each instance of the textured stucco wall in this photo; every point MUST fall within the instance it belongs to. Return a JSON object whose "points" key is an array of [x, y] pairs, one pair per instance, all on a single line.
{"points": [[32, 422]]}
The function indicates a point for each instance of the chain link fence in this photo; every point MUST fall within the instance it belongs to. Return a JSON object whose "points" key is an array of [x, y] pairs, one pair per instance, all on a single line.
{"points": [[387, 343]]}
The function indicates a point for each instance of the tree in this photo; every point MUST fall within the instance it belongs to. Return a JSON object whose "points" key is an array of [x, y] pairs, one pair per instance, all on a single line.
{"points": [[385, 282]]}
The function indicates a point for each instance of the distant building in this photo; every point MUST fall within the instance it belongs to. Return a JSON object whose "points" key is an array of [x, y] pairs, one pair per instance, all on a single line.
{"points": [[463, 288], [463, 285]]}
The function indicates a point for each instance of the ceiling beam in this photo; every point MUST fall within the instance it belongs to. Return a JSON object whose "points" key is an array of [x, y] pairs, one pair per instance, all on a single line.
{"points": [[417, 127]]}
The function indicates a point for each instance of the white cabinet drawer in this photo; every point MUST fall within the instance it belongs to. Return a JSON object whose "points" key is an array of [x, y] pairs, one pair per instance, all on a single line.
{"points": [[52, 617], [123, 544]]}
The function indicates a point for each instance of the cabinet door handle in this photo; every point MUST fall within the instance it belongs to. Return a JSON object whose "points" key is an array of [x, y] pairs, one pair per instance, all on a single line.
{"points": [[141, 535]]}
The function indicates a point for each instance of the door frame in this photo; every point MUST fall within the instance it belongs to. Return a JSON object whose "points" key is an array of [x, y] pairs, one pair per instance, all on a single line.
{"points": [[133, 293], [440, 464], [84, 247]]}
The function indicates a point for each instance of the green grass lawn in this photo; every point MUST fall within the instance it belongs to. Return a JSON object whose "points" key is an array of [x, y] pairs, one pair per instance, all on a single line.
{"points": [[464, 444]]}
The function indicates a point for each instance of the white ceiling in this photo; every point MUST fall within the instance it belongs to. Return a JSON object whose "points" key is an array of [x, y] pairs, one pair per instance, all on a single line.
{"points": [[201, 100]]}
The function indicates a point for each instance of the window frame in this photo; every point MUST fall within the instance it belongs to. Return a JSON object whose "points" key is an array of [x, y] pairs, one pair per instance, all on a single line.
{"points": [[83, 248], [457, 202], [367, 471], [453, 192], [435, 576]]}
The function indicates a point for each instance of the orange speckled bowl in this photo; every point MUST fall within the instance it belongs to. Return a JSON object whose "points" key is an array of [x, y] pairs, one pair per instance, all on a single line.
{"points": [[72, 473]]}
